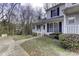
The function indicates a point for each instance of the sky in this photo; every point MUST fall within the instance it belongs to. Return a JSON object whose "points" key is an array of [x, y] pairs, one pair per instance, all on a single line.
{"points": [[35, 4]]}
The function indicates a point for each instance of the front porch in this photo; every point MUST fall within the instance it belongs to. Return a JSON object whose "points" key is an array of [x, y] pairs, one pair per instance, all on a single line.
{"points": [[72, 29], [54, 27], [48, 28]]}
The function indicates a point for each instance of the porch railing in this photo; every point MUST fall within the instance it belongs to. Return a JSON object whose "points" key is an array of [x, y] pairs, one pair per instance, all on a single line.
{"points": [[72, 29]]}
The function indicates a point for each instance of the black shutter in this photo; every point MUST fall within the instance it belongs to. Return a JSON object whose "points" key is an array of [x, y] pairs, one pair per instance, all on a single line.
{"points": [[51, 13], [58, 11]]}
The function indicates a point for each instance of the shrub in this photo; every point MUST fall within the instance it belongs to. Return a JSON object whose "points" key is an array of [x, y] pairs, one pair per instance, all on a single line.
{"points": [[18, 32], [55, 35], [69, 41], [34, 34]]}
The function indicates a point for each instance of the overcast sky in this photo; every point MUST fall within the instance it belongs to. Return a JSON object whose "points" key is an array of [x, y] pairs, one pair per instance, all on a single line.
{"points": [[35, 4]]}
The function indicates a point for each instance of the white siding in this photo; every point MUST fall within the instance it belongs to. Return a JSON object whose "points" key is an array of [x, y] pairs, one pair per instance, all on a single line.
{"points": [[48, 14], [70, 4], [76, 18], [61, 7], [66, 27], [63, 26], [72, 28], [44, 31], [41, 30]]}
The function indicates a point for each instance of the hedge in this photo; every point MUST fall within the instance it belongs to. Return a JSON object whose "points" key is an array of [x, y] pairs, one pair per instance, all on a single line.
{"points": [[55, 35], [69, 41], [34, 34]]}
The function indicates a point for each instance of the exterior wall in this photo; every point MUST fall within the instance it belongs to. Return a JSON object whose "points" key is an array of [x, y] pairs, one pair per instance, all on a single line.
{"points": [[70, 4], [76, 19], [61, 7], [72, 28], [34, 29], [63, 26], [42, 31], [48, 14], [49, 5]]}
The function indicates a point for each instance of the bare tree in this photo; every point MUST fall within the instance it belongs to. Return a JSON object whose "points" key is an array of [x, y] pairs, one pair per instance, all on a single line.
{"points": [[9, 14], [46, 5], [26, 18], [14, 13]]}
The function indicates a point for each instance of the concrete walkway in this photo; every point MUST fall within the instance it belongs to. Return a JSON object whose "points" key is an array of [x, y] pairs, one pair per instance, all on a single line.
{"points": [[10, 47]]}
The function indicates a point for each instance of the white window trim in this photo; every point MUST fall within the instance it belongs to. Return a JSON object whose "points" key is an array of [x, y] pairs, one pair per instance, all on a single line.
{"points": [[71, 18]]}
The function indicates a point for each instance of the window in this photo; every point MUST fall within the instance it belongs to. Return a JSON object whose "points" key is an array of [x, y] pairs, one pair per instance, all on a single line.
{"points": [[38, 27], [55, 12], [71, 20], [33, 27], [50, 27]]}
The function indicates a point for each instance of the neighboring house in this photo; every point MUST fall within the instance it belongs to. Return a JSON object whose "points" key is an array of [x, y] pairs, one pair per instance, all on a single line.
{"points": [[62, 17]]}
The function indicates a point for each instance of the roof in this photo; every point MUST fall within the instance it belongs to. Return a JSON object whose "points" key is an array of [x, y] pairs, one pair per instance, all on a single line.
{"points": [[72, 9], [59, 18], [54, 6]]}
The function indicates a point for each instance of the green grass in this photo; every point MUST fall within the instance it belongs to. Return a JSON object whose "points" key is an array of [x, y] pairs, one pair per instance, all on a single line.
{"points": [[44, 46], [21, 37]]}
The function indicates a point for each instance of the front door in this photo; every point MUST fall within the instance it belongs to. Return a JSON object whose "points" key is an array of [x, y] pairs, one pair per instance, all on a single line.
{"points": [[60, 26]]}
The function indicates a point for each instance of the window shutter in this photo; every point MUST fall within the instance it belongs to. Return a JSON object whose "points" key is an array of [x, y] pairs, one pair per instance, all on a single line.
{"points": [[58, 11]]}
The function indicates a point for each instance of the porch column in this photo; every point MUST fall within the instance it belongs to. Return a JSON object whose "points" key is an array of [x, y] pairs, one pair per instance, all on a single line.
{"points": [[58, 26], [53, 27], [35, 27], [41, 29], [46, 28], [65, 31]]}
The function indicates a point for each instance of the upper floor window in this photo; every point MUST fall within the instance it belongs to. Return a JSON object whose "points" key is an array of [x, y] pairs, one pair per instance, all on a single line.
{"points": [[55, 12]]}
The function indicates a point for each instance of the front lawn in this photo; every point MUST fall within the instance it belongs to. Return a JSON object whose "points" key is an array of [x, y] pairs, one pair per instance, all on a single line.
{"points": [[20, 37], [44, 46]]}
